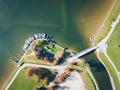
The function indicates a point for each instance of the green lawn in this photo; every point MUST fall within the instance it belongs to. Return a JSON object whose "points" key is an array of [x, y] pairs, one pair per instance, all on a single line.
{"points": [[24, 83], [114, 47], [111, 70], [54, 50], [112, 17], [41, 44]]}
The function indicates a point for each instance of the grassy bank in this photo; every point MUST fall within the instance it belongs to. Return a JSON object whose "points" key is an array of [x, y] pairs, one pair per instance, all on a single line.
{"points": [[114, 47], [24, 83], [107, 25], [113, 44], [111, 70], [87, 81]]}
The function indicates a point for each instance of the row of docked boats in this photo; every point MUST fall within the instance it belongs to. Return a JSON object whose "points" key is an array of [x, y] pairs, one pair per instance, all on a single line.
{"points": [[44, 36]]}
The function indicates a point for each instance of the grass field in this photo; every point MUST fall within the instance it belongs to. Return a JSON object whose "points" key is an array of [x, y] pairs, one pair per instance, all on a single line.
{"points": [[29, 58], [112, 17], [111, 70], [114, 47], [24, 83], [54, 50]]}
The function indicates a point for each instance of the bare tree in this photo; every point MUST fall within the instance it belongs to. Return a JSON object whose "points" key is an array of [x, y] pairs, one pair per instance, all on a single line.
{"points": [[46, 81], [60, 78], [29, 71], [46, 59], [36, 78], [55, 62]]}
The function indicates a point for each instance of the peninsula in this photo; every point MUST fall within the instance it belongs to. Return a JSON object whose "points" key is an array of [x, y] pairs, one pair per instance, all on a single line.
{"points": [[51, 66]]}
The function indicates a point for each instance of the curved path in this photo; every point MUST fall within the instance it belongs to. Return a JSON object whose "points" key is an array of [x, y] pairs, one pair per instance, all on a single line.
{"points": [[103, 48]]}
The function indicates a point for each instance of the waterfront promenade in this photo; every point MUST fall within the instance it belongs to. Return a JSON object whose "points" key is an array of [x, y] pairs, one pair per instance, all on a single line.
{"points": [[103, 48]]}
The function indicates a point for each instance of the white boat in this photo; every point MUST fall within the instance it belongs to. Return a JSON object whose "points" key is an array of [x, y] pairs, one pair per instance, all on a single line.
{"points": [[91, 39], [35, 35]]}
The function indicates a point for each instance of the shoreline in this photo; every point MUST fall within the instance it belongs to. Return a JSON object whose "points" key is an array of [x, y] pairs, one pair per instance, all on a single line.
{"points": [[92, 28], [103, 48], [6, 78], [100, 29], [36, 65]]}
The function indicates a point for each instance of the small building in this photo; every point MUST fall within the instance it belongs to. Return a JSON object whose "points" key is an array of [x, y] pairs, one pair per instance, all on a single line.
{"points": [[51, 43]]}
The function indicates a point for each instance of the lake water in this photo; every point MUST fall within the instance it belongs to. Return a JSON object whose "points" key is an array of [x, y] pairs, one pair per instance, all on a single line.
{"points": [[70, 22]]}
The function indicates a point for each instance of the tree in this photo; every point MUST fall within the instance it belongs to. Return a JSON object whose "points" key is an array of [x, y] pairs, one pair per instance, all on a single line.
{"points": [[46, 81], [37, 53], [46, 59], [36, 78], [29, 71], [67, 70], [61, 78], [55, 62]]}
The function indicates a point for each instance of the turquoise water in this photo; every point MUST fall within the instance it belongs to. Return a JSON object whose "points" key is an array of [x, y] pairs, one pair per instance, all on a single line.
{"points": [[20, 19]]}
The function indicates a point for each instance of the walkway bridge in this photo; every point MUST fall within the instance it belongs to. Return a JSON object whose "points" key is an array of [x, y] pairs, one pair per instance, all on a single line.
{"points": [[82, 53]]}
